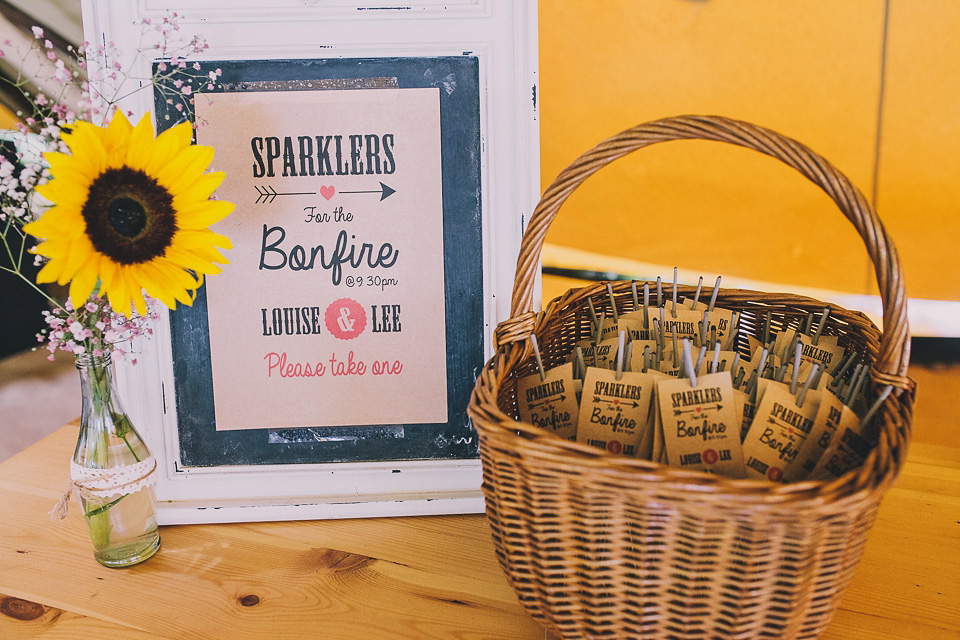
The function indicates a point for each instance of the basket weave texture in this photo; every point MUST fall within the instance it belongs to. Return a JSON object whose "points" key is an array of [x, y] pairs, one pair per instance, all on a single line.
{"points": [[604, 546]]}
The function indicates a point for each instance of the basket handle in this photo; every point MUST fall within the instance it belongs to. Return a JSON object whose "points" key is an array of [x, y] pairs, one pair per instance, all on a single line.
{"points": [[894, 354]]}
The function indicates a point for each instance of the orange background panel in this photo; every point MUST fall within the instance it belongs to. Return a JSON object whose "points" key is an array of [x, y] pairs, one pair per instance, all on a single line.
{"points": [[808, 69], [919, 190]]}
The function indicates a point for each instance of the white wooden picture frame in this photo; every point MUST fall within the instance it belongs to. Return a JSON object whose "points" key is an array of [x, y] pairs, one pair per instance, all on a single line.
{"points": [[499, 39]]}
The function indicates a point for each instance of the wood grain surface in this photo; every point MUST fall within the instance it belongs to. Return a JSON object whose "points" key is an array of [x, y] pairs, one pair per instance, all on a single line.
{"points": [[424, 577]]}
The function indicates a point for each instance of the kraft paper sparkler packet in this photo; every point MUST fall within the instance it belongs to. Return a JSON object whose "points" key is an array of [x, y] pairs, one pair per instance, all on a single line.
{"points": [[724, 362], [782, 346], [749, 365], [605, 352], [700, 426], [846, 451], [658, 452], [632, 323], [599, 355], [822, 353], [614, 412], [651, 440], [686, 323], [550, 402], [779, 429], [744, 410], [636, 355], [719, 318], [832, 417]]}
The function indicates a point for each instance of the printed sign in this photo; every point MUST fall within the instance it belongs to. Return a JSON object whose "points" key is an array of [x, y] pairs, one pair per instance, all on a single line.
{"points": [[331, 311]]}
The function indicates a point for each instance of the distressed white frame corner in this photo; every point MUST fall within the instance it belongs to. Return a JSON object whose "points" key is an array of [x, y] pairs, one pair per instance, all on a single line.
{"points": [[502, 34]]}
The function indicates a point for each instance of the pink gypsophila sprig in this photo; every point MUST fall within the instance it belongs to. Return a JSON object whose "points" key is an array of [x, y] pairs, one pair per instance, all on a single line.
{"points": [[96, 329]]}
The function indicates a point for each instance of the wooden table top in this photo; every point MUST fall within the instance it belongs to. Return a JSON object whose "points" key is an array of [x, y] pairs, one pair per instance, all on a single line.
{"points": [[416, 577]]}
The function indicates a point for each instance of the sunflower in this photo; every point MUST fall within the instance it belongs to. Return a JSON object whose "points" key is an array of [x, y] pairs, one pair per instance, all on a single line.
{"points": [[130, 211]]}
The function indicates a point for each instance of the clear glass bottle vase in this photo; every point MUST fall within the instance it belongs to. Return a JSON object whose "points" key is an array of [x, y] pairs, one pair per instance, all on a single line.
{"points": [[111, 472]]}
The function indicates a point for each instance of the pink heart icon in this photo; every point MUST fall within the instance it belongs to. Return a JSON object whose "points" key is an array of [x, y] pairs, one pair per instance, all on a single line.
{"points": [[327, 192]]}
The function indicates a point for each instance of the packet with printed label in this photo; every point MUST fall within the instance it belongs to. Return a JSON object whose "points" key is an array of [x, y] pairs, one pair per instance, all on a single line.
{"points": [[744, 409], [847, 451], [652, 436], [637, 355], [750, 365], [614, 412], [719, 319], [832, 416], [550, 403], [700, 426], [783, 345], [777, 433], [658, 452], [724, 362], [685, 323], [606, 352], [632, 323], [823, 353]]}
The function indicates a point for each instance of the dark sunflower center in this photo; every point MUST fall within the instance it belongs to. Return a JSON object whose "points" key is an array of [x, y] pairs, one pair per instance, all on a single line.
{"points": [[129, 216]]}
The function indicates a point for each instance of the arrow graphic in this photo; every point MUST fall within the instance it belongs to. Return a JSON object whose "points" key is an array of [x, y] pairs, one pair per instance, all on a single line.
{"points": [[634, 404], [548, 400], [680, 412], [268, 194], [384, 191]]}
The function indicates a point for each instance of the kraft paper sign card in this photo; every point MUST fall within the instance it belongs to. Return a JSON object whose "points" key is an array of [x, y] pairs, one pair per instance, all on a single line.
{"points": [[700, 424], [832, 415], [550, 402], [331, 311], [614, 412], [779, 430]]}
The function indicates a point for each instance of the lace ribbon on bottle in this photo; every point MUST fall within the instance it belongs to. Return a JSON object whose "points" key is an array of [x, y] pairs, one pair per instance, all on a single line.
{"points": [[102, 485]]}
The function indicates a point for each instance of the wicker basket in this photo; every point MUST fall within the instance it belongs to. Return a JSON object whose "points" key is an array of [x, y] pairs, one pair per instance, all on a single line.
{"points": [[603, 546]]}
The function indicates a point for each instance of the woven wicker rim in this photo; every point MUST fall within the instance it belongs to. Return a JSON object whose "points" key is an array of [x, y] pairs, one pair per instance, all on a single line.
{"points": [[890, 366]]}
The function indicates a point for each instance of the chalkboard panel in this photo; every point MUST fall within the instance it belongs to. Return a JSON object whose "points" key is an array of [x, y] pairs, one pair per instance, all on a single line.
{"points": [[457, 78]]}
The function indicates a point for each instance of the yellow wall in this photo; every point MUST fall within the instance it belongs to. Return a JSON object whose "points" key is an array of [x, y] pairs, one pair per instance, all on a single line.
{"points": [[8, 120], [807, 68]]}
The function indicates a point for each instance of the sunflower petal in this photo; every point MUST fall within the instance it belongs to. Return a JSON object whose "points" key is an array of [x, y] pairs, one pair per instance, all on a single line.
{"points": [[200, 217], [118, 294], [188, 260], [108, 273], [64, 167], [185, 168], [136, 290], [50, 272], [167, 145], [65, 192], [86, 147], [177, 274], [83, 283], [181, 135], [140, 144], [154, 284], [78, 254], [116, 137], [200, 191]]}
